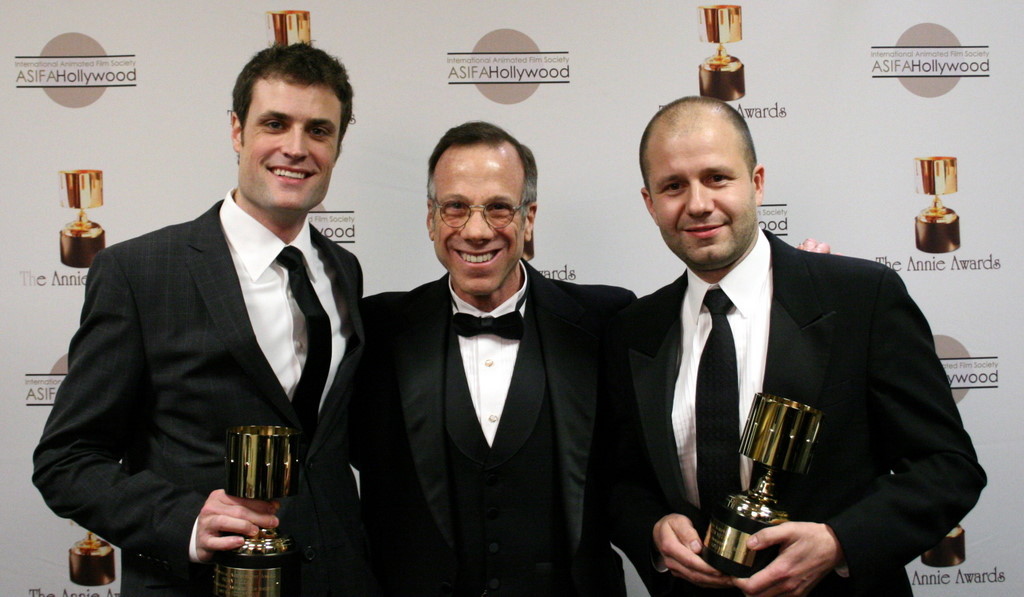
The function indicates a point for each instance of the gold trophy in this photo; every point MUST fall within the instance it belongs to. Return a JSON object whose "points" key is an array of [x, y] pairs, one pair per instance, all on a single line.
{"points": [[91, 562], [721, 75], [937, 228], [287, 27], [780, 434], [950, 551], [262, 463], [82, 239]]}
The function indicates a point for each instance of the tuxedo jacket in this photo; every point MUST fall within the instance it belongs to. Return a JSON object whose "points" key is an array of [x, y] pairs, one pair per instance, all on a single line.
{"points": [[893, 469], [399, 435], [164, 362]]}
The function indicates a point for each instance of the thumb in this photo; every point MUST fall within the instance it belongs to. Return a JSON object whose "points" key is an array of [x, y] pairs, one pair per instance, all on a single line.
{"points": [[764, 538]]}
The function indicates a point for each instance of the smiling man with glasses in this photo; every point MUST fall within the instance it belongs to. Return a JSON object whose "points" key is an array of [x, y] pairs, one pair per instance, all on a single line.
{"points": [[475, 409]]}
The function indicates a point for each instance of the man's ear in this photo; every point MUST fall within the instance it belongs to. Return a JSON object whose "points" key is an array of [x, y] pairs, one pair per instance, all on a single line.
{"points": [[236, 133]]}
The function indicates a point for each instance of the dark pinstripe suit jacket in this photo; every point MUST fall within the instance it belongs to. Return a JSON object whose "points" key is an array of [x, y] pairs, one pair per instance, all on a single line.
{"points": [[164, 361]]}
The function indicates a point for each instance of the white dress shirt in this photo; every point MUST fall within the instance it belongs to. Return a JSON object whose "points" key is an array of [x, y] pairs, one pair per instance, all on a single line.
{"points": [[489, 360], [276, 319], [749, 286]]}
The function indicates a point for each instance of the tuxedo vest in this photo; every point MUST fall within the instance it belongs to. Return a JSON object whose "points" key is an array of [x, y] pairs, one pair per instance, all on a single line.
{"points": [[510, 532]]}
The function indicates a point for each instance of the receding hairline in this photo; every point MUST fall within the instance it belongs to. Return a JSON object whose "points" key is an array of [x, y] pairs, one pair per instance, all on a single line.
{"points": [[477, 133], [687, 115]]}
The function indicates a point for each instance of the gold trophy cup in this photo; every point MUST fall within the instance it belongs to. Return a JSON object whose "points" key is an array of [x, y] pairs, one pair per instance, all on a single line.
{"points": [[287, 27], [262, 463], [779, 434], [937, 227], [721, 75], [81, 239]]}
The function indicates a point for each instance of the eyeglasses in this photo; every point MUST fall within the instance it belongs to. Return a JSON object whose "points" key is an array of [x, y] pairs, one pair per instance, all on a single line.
{"points": [[497, 214]]}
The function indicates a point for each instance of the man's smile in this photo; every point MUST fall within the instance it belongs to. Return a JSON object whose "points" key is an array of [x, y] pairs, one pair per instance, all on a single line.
{"points": [[484, 258], [290, 173]]}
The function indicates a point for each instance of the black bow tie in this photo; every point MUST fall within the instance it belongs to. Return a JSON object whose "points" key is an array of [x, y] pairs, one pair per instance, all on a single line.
{"points": [[509, 326]]}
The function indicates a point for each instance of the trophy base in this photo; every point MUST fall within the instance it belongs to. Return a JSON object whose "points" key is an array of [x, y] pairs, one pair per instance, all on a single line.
{"points": [[78, 251], [725, 546], [257, 575], [721, 84], [951, 551], [937, 237], [91, 570]]}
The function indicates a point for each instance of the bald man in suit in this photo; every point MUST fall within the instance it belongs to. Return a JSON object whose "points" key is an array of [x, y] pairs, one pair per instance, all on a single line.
{"points": [[893, 469]]}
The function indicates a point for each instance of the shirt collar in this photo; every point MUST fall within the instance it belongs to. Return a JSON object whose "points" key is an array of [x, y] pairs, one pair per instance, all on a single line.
{"points": [[255, 246], [743, 284], [461, 306]]}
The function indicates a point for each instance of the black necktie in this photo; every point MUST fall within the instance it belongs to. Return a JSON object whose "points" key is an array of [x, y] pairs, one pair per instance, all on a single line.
{"points": [[717, 408], [318, 341], [508, 326]]}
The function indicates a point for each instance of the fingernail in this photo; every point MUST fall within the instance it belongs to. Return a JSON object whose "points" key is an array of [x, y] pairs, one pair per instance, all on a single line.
{"points": [[695, 546]]}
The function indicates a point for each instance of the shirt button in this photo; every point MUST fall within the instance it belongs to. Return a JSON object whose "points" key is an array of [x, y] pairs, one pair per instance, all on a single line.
{"points": [[493, 418], [492, 513], [488, 363], [493, 584], [493, 547], [309, 553]]}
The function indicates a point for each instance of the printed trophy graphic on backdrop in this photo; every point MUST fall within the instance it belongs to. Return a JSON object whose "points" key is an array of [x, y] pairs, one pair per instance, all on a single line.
{"points": [[721, 75], [262, 463], [82, 239], [91, 562], [287, 27], [936, 228], [950, 551], [780, 434]]}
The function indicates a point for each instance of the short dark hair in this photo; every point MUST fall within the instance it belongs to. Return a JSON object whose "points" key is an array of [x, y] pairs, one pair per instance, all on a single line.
{"points": [[682, 105], [299, 64], [484, 133]]}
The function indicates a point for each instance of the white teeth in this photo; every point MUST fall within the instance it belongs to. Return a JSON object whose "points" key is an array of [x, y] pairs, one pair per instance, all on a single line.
{"points": [[288, 173], [478, 258]]}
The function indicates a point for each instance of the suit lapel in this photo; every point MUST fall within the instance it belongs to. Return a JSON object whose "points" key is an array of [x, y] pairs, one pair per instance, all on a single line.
{"points": [[209, 262], [570, 365], [801, 331], [350, 283], [419, 369], [525, 397], [654, 360]]}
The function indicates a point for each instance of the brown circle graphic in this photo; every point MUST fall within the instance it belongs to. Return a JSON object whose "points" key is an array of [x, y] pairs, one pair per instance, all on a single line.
{"points": [[506, 40], [61, 366], [948, 347], [73, 44], [928, 35]]}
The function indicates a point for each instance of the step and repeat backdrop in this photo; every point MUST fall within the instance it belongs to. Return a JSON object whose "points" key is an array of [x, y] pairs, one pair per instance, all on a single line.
{"points": [[889, 129]]}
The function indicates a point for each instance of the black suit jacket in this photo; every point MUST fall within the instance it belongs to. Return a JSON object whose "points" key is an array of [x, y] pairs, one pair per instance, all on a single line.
{"points": [[164, 362], [399, 432], [893, 469]]}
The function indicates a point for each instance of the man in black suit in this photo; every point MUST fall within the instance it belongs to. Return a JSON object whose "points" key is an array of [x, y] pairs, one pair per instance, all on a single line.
{"points": [[893, 469], [476, 450], [192, 329]]}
